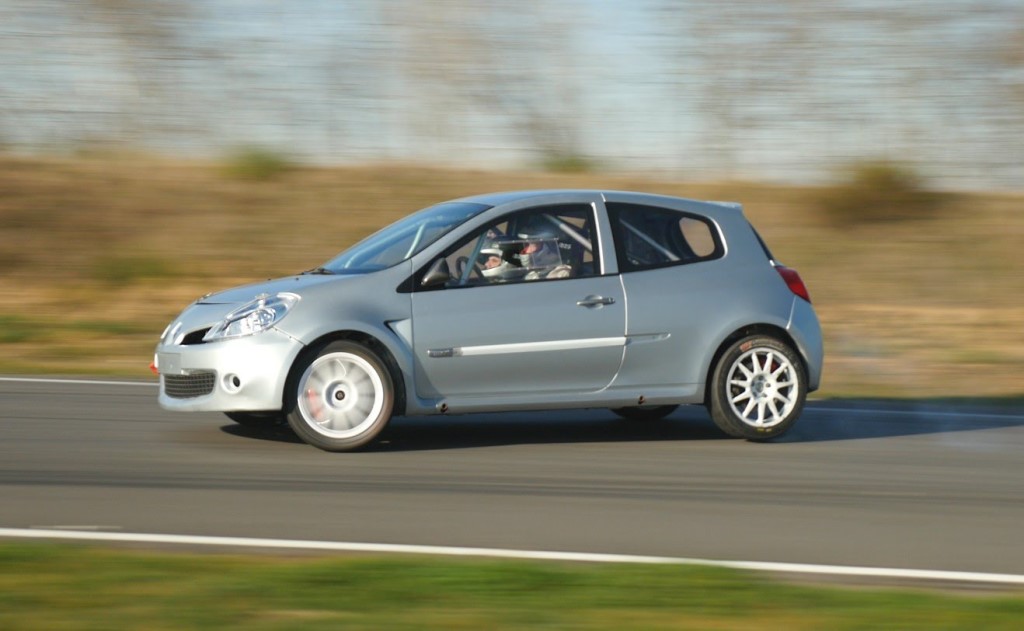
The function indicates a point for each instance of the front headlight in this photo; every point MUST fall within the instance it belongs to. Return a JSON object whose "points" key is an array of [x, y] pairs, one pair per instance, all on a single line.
{"points": [[254, 317]]}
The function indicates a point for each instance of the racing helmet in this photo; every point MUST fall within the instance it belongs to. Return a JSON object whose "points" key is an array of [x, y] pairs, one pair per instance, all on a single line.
{"points": [[538, 248], [495, 259]]}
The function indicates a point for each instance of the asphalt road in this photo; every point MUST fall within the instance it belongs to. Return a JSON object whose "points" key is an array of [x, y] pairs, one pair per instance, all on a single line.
{"points": [[915, 486]]}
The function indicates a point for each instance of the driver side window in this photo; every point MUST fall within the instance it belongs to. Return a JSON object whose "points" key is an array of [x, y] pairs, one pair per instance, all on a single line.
{"points": [[546, 243]]}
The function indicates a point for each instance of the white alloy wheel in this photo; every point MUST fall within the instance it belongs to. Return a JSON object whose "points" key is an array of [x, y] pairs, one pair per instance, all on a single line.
{"points": [[758, 388], [763, 387], [343, 398], [341, 394]]}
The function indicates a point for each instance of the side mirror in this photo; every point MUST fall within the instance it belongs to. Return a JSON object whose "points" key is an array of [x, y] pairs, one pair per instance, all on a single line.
{"points": [[437, 274]]}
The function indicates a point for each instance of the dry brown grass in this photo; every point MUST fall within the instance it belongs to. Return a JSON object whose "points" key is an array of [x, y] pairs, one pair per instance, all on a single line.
{"points": [[99, 254]]}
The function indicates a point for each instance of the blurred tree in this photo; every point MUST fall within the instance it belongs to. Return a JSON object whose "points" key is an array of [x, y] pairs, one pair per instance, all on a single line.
{"points": [[1007, 58], [802, 82], [147, 37], [470, 69]]}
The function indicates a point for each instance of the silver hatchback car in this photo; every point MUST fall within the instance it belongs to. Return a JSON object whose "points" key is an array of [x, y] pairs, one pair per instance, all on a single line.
{"points": [[511, 301]]}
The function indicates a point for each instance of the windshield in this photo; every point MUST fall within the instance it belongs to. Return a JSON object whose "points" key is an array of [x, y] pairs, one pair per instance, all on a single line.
{"points": [[402, 239]]}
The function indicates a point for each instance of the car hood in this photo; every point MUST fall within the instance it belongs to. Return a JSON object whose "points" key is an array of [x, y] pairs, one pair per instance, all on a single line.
{"points": [[245, 293]]}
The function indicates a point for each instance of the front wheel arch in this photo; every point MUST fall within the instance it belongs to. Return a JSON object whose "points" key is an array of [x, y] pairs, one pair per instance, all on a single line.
{"points": [[339, 395], [369, 341]]}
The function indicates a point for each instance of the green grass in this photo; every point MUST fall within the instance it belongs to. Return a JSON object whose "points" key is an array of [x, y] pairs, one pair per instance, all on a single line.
{"points": [[131, 268], [880, 191], [256, 163], [568, 163], [46, 586], [16, 328]]}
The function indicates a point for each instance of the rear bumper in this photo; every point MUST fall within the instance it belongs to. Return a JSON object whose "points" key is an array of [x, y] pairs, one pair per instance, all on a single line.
{"points": [[806, 332], [234, 375]]}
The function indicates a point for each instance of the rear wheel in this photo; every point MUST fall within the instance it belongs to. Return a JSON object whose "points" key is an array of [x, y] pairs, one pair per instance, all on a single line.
{"points": [[341, 397], [758, 388], [645, 413]]}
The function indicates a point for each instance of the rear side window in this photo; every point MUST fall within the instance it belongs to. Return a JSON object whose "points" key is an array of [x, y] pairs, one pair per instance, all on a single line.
{"points": [[647, 237]]}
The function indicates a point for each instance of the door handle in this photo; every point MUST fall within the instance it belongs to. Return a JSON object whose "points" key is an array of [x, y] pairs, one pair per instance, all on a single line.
{"points": [[595, 301]]}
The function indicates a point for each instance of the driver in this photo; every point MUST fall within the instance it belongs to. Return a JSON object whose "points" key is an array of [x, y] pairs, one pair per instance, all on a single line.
{"points": [[494, 262]]}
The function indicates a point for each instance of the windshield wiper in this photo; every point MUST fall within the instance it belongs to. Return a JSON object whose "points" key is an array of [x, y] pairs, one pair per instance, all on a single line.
{"points": [[318, 270]]}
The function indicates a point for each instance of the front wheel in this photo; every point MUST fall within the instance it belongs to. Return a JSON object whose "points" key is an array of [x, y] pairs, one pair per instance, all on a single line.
{"points": [[758, 388], [341, 397]]}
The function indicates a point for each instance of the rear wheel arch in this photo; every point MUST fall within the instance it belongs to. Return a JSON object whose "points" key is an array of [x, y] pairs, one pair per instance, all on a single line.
{"points": [[770, 330], [758, 385]]}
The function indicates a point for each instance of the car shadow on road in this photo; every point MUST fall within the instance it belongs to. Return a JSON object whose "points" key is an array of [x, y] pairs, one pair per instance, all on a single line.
{"points": [[822, 421], [852, 419], [281, 434], [580, 426], [517, 428]]}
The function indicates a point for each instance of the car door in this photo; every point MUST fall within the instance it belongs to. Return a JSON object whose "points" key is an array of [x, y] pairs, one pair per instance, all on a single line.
{"points": [[561, 329], [670, 262]]}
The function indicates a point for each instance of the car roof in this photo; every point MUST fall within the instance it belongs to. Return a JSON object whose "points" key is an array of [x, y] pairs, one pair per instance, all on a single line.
{"points": [[505, 197]]}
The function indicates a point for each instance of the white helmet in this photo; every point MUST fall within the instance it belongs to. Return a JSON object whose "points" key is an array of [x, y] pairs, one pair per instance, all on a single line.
{"points": [[488, 267]]}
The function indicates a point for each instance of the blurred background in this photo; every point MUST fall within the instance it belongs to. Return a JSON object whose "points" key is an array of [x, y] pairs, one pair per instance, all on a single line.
{"points": [[783, 91], [154, 150]]}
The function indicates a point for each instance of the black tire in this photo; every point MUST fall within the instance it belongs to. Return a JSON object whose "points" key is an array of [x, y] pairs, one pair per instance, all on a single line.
{"points": [[758, 388], [645, 413], [340, 397], [258, 420]]}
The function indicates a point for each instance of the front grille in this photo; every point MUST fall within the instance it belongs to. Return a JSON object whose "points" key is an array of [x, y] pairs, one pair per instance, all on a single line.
{"points": [[189, 386], [195, 337]]}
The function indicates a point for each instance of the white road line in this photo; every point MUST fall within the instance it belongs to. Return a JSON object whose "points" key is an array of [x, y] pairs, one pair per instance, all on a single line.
{"points": [[342, 546], [77, 528]]}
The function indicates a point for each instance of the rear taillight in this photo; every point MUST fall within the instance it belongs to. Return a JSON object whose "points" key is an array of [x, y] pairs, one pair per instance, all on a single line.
{"points": [[793, 281]]}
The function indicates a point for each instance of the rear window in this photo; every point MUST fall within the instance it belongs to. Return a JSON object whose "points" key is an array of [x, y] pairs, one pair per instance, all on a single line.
{"points": [[648, 237]]}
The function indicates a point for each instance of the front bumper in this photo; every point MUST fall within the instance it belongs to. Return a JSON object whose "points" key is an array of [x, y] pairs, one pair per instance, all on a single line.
{"points": [[245, 374]]}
